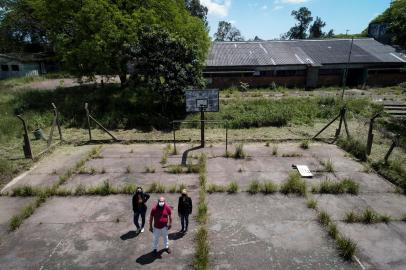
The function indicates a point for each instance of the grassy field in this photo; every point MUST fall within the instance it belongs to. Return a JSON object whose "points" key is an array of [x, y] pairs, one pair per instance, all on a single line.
{"points": [[285, 114]]}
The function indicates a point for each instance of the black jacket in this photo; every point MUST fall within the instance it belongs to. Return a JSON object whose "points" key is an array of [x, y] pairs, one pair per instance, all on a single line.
{"points": [[185, 205], [140, 206]]}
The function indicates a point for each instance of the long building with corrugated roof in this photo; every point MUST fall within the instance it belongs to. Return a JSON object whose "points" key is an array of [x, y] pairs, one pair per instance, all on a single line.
{"points": [[304, 63]]}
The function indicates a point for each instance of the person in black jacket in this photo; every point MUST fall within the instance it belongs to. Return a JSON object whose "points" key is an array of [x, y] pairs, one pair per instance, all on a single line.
{"points": [[184, 210], [139, 208]]}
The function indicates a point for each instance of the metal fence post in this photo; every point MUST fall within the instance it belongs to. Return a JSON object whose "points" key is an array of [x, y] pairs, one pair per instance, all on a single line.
{"points": [[370, 134], [202, 140], [88, 121], [174, 137], [394, 144], [27, 143], [226, 138], [58, 121]]}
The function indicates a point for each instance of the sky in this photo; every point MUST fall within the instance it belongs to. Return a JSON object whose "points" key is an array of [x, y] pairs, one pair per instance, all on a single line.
{"points": [[268, 19]]}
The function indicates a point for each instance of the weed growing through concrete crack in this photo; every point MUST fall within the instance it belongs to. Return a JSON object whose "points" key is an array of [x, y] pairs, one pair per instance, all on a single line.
{"points": [[254, 187], [328, 186], [311, 203], [294, 185], [239, 152], [202, 249], [275, 150], [328, 165], [304, 144], [232, 188], [367, 216]]}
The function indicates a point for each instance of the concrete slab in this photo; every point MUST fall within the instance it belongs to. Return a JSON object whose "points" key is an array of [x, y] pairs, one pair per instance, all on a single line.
{"points": [[47, 171], [268, 232], [390, 204], [338, 205], [368, 182], [141, 179], [9, 207], [341, 161], [380, 246], [83, 233]]}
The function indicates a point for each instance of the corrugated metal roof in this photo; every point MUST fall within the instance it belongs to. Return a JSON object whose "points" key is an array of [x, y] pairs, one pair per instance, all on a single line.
{"points": [[301, 52]]}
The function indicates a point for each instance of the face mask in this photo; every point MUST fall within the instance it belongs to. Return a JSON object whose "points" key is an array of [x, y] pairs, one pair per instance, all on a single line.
{"points": [[161, 204], [183, 195], [139, 191]]}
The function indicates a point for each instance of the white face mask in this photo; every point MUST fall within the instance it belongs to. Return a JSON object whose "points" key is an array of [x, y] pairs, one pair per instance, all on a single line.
{"points": [[161, 204]]}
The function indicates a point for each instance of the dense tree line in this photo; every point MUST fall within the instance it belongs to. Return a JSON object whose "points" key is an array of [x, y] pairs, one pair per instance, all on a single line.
{"points": [[395, 17], [162, 45], [304, 19]]}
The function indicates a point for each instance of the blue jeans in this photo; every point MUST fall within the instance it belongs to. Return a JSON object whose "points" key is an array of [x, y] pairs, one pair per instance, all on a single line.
{"points": [[137, 216], [184, 221]]}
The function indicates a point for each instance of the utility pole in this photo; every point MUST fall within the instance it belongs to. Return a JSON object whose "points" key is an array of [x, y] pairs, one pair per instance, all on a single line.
{"points": [[346, 69]]}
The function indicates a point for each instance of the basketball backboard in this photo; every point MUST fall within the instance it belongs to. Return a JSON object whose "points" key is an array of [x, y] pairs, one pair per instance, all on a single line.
{"points": [[202, 100]]}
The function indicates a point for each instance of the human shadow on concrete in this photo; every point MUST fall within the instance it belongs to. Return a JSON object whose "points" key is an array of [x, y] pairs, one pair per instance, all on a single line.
{"points": [[149, 257], [175, 236], [129, 235], [185, 154]]}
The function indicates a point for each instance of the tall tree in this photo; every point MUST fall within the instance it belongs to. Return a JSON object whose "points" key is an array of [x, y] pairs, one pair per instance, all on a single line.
{"points": [[98, 37], [165, 65], [316, 29], [197, 9], [299, 31], [227, 32]]}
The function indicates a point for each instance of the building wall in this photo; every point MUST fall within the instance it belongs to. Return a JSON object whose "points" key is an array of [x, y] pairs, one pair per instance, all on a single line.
{"points": [[330, 80], [326, 77], [263, 81], [387, 79], [24, 69]]}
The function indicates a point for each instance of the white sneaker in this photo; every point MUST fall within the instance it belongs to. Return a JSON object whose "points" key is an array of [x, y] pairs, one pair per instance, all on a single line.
{"points": [[142, 230]]}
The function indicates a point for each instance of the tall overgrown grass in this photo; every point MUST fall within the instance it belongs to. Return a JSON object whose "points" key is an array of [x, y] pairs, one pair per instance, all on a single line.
{"points": [[294, 184]]}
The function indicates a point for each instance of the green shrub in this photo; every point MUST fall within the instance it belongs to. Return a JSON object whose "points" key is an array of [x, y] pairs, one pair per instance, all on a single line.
{"points": [[394, 171], [24, 191], [294, 184], [312, 203], [353, 146], [239, 152], [156, 188], [268, 187], [232, 188], [254, 187], [202, 212], [201, 258], [175, 169], [274, 150], [350, 186], [333, 231], [329, 165], [324, 218], [346, 247], [304, 144], [351, 217], [212, 188], [369, 216]]}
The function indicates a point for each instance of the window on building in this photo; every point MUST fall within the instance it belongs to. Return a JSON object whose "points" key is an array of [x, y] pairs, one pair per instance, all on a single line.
{"points": [[290, 73], [330, 71], [4, 67], [15, 67]]}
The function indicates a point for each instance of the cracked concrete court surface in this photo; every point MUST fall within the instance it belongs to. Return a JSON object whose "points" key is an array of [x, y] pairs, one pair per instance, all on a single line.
{"points": [[245, 231]]}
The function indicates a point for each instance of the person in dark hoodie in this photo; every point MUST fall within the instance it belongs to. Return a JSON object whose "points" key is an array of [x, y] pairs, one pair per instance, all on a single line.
{"points": [[184, 210], [140, 208]]}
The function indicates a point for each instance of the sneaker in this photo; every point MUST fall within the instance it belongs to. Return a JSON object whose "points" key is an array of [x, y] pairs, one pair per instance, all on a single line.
{"points": [[168, 250], [142, 230]]}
